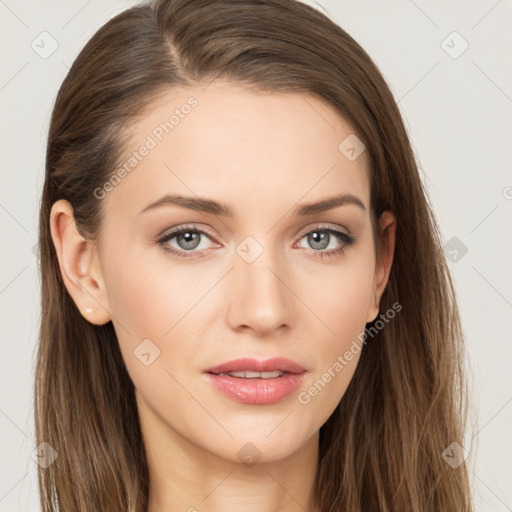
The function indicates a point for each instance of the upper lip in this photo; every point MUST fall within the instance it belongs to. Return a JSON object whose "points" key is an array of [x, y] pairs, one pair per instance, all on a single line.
{"points": [[269, 365]]}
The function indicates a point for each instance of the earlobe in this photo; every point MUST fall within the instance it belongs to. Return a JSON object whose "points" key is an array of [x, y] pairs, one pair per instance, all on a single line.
{"points": [[387, 225], [79, 265]]}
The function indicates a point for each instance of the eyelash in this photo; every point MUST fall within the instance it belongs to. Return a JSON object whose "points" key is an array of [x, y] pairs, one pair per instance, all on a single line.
{"points": [[344, 237]]}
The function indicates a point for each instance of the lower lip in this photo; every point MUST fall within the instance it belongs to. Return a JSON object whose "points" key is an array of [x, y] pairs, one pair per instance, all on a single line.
{"points": [[257, 391]]}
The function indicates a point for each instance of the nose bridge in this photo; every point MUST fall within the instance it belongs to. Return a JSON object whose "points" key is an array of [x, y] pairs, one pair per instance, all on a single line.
{"points": [[260, 300]]}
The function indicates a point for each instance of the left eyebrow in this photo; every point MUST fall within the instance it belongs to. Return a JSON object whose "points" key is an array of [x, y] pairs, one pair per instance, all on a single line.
{"points": [[328, 204], [217, 208]]}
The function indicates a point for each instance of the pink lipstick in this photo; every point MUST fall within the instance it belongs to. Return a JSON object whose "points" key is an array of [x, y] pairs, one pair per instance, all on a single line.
{"points": [[257, 382]]}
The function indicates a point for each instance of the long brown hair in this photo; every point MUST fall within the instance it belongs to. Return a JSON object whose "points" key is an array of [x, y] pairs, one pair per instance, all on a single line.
{"points": [[381, 449]]}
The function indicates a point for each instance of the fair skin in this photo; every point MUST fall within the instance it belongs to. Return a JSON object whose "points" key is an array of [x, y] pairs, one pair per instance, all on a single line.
{"points": [[264, 155]]}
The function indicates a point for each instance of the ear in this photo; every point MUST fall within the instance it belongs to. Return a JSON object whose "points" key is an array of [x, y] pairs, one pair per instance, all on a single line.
{"points": [[387, 224], [79, 265]]}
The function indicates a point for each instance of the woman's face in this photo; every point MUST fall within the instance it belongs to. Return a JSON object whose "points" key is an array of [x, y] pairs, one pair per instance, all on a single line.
{"points": [[273, 279]]}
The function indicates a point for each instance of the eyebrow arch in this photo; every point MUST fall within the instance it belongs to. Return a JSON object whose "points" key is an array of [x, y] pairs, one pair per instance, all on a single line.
{"points": [[328, 204], [221, 209]]}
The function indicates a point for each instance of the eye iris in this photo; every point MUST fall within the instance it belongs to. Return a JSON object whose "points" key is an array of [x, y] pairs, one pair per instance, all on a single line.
{"points": [[190, 238], [323, 239]]}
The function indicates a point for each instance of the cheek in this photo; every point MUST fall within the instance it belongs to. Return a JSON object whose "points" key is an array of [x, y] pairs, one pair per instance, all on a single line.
{"points": [[143, 297], [339, 296], [341, 307], [149, 309], [156, 301]]}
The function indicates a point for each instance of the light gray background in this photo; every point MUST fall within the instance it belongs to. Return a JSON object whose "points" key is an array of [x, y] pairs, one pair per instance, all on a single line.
{"points": [[458, 113]]}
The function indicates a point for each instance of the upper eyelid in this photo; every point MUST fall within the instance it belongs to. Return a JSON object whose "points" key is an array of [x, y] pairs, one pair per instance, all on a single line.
{"points": [[175, 231], [323, 227]]}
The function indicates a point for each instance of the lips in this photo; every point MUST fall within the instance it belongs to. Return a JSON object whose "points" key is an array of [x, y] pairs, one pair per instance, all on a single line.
{"points": [[257, 382], [253, 365]]}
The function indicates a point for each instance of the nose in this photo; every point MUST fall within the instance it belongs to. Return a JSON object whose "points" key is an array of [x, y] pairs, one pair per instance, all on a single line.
{"points": [[261, 299]]}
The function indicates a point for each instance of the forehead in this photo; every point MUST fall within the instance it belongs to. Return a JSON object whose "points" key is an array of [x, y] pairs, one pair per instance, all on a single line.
{"points": [[227, 142]]}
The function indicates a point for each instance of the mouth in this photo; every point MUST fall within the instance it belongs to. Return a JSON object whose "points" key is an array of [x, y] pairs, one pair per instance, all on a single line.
{"points": [[257, 382]]}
